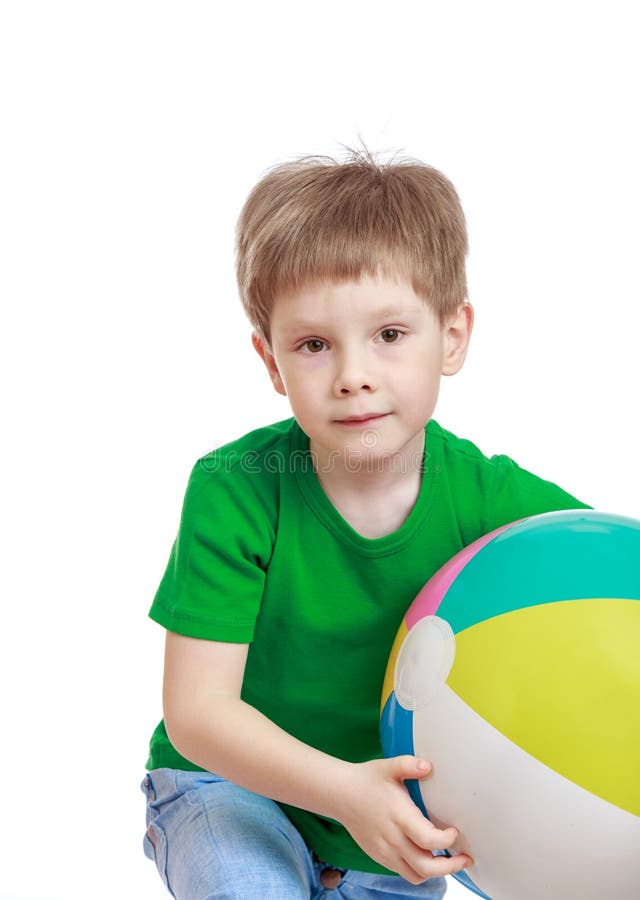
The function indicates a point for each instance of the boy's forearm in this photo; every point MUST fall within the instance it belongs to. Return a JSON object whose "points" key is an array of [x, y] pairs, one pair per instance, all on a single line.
{"points": [[237, 742]]}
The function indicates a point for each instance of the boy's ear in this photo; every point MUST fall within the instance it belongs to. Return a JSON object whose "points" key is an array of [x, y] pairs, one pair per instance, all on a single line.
{"points": [[264, 352], [456, 334]]}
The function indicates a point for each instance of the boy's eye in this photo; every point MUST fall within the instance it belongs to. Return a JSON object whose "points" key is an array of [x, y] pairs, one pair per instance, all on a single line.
{"points": [[314, 345], [389, 335]]}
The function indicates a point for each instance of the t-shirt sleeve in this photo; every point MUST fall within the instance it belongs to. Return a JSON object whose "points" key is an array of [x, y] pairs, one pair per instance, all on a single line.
{"points": [[517, 493], [213, 584]]}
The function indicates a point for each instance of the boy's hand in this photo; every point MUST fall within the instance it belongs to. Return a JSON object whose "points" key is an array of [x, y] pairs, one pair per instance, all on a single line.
{"points": [[383, 819], [202, 688]]}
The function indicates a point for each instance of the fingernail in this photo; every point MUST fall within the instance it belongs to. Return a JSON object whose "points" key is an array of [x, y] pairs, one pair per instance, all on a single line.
{"points": [[423, 765]]}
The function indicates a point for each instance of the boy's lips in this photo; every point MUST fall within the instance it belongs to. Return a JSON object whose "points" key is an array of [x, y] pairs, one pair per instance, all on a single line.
{"points": [[365, 418]]}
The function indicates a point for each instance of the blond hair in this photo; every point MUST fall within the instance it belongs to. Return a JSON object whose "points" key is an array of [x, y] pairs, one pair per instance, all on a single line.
{"points": [[317, 220]]}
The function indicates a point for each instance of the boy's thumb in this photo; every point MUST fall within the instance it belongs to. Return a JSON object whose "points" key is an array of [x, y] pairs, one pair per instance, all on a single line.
{"points": [[410, 767]]}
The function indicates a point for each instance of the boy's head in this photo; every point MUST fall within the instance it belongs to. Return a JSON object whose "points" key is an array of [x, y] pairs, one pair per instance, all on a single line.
{"points": [[353, 277], [317, 220]]}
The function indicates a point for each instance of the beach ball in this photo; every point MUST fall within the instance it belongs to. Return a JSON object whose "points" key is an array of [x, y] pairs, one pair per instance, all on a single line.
{"points": [[516, 672]]}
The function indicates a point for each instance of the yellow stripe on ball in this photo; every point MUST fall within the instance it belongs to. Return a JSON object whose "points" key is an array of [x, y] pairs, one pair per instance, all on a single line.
{"points": [[545, 676]]}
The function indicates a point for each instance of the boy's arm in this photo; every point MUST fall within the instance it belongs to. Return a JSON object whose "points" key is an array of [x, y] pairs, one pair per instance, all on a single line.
{"points": [[209, 724]]}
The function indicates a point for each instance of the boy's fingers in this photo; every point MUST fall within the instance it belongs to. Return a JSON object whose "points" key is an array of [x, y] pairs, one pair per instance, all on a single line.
{"points": [[427, 866], [447, 865], [406, 871], [426, 836]]}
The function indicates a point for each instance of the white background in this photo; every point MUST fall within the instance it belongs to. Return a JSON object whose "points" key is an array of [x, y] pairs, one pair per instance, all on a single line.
{"points": [[131, 135]]}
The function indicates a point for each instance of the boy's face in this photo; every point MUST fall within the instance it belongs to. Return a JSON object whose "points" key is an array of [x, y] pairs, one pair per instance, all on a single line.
{"points": [[361, 364]]}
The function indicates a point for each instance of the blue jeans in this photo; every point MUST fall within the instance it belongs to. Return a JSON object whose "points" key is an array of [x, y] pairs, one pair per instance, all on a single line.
{"points": [[211, 840]]}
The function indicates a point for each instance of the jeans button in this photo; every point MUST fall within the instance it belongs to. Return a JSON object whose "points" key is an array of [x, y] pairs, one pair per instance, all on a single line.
{"points": [[330, 878]]}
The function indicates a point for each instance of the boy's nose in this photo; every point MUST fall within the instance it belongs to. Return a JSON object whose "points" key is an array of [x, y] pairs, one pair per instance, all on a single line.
{"points": [[354, 389], [352, 377]]}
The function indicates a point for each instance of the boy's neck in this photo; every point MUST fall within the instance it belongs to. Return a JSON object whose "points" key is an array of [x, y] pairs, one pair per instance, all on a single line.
{"points": [[375, 496]]}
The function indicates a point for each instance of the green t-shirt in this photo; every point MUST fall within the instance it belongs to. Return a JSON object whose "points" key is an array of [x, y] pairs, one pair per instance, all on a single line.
{"points": [[263, 557]]}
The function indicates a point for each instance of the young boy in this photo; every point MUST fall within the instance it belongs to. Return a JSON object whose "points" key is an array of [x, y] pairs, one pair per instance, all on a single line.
{"points": [[302, 544]]}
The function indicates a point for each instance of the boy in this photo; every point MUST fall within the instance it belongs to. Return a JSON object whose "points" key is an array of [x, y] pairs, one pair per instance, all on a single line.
{"points": [[302, 544]]}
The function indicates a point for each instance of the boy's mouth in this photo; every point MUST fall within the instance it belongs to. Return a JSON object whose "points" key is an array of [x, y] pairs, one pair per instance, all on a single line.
{"points": [[364, 419]]}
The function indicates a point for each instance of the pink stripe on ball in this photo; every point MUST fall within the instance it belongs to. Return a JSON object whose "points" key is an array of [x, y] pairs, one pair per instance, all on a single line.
{"points": [[433, 593]]}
